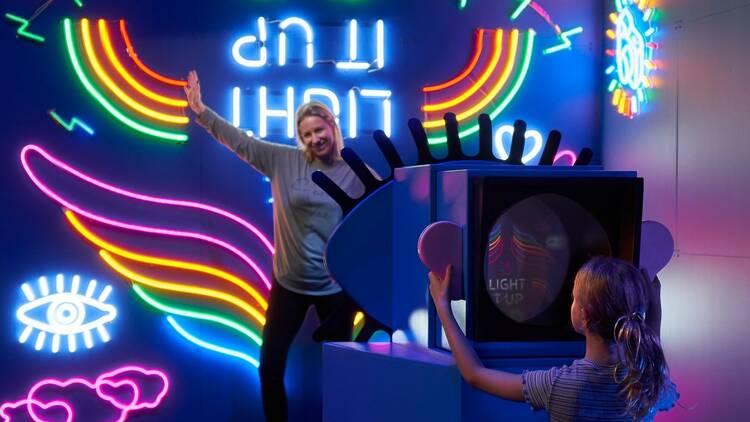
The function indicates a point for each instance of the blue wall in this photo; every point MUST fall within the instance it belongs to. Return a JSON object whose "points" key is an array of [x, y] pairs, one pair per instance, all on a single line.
{"points": [[426, 42]]}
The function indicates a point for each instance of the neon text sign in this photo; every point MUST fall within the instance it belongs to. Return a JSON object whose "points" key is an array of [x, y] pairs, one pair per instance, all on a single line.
{"points": [[252, 51]]}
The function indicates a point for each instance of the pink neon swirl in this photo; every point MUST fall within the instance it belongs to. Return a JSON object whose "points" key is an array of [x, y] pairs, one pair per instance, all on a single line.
{"points": [[566, 153], [164, 201], [107, 378]]}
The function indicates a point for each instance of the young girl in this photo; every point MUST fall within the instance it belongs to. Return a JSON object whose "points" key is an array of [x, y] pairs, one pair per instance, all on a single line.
{"points": [[623, 375]]}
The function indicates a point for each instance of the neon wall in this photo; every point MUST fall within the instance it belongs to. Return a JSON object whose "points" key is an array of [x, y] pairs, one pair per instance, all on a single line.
{"points": [[690, 146], [136, 244]]}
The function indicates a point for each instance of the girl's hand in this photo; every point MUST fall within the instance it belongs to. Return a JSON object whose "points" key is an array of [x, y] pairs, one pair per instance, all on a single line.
{"points": [[193, 93], [653, 313], [439, 287]]}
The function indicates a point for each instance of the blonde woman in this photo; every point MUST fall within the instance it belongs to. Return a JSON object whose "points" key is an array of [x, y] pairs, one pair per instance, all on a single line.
{"points": [[303, 218]]}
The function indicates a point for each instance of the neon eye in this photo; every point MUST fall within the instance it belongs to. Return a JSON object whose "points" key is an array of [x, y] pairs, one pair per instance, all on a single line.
{"points": [[65, 313]]}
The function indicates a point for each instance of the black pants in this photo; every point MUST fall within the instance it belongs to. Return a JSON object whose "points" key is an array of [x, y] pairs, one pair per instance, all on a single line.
{"points": [[284, 317]]}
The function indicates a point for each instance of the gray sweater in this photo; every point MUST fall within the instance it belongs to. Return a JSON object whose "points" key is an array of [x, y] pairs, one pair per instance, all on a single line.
{"points": [[303, 215]]}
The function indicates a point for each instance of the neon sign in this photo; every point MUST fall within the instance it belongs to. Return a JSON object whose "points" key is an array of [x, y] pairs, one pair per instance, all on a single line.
{"points": [[126, 389], [65, 313], [490, 90], [284, 109], [145, 111], [633, 52]]}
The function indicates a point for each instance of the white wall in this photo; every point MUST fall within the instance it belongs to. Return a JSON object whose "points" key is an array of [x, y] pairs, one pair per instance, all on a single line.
{"points": [[693, 147]]}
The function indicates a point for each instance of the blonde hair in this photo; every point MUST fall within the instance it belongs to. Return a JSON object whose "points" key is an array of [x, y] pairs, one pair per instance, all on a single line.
{"points": [[615, 297], [318, 109]]}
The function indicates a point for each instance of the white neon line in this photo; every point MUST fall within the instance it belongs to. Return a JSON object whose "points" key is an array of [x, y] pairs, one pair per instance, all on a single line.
{"points": [[43, 286], [55, 343], [71, 343], [90, 289], [28, 292], [76, 284], [103, 334], [105, 293], [40, 340], [87, 339], [25, 334]]}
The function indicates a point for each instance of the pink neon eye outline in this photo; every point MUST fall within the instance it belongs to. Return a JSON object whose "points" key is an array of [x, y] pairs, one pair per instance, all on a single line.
{"points": [[146, 198]]}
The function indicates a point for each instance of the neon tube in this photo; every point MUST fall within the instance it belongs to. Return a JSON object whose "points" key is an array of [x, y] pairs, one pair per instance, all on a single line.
{"points": [[352, 114], [109, 51], [380, 40], [478, 43], [386, 95], [488, 70], [119, 93], [492, 93], [143, 67], [519, 9], [153, 302], [69, 126], [526, 61], [308, 40], [251, 39], [210, 346], [73, 56], [181, 288], [184, 265], [327, 93], [146, 198], [22, 28], [112, 379]]}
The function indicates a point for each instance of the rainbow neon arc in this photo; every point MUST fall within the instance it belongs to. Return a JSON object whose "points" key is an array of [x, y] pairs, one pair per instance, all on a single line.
{"points": [[122, 390], [488, 84], [190, 292], [59, 311], [146, 101], [632, 55]]}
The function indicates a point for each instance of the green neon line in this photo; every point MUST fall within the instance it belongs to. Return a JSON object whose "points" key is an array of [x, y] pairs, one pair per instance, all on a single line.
{"points": [[462, 4], [22, 30], [521, 7], [75, 121], [527, 53], [79, 3], [565, 40], [612, 85], [179, 137], [210, 346], [197, 315]]}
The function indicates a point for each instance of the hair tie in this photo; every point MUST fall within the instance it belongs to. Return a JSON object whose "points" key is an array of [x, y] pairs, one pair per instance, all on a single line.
{"points": [[637, 316]]}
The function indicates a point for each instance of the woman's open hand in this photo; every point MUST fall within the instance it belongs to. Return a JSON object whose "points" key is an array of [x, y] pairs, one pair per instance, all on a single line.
{"points": [[193, 93]]}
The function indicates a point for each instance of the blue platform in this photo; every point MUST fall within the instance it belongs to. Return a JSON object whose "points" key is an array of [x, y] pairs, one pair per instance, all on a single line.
{"points": [[406, 382]]}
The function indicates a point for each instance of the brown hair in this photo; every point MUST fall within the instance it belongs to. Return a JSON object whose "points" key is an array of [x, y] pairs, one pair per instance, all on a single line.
{"points": [[615, 297], [316, 108]]}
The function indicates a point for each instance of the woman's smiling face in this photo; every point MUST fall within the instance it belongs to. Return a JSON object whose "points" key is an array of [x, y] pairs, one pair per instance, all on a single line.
{"points": [[317, 136]]}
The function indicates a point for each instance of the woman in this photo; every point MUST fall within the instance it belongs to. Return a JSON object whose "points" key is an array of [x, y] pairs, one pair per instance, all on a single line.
{"points": [[303, 218]]}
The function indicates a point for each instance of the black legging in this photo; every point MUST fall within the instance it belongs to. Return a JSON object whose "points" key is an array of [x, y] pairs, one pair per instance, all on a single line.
{"points": [[284, 317]]}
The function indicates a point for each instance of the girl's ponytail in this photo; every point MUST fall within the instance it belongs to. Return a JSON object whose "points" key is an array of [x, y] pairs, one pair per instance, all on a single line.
{"points": [[645, 368]]}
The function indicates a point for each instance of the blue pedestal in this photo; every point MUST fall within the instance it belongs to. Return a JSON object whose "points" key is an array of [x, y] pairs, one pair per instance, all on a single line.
{"points": [[406, 382]]}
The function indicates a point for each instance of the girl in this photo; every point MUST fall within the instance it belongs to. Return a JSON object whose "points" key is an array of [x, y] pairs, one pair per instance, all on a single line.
{"points": [[303, 218], [623, 375]]}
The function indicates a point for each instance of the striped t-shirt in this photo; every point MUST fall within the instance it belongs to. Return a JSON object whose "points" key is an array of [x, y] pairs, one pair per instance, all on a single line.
{"points": [[583, 391]]}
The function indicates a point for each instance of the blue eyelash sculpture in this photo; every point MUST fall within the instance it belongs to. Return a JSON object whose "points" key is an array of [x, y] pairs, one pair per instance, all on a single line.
{"points": [[363, 260]]}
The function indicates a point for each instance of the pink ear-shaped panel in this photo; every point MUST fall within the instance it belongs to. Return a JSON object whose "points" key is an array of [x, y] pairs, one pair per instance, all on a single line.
{"points": [[440, 245], [657, 247]]}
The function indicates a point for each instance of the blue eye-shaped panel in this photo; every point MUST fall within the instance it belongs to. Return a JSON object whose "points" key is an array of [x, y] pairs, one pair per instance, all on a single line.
{"points": [[65, 313]]}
